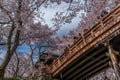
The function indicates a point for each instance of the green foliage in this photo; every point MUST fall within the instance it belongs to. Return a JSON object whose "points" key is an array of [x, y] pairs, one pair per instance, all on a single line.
{"points": [[10, 79]]}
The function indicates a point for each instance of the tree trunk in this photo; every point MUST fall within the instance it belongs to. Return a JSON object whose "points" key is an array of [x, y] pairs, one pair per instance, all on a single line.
{"points": [[17, 68], [10, 51], [12, 48]]}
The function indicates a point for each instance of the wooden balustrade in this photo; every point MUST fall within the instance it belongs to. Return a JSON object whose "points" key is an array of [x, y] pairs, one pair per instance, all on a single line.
{"points": [[95, 34]]}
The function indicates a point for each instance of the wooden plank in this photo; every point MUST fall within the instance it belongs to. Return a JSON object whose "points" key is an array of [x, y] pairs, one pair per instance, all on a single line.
{"points": [[95, 70], [89, 69], [84, 67], [114, 60], [83, 61]]}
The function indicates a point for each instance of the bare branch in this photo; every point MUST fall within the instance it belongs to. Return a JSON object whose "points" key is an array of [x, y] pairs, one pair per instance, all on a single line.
{"points": [[36, 8], [5, 22]]}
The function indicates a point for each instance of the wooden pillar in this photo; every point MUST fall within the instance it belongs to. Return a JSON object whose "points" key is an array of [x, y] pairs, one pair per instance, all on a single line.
{"points": [[84, 40], [114, 61]]}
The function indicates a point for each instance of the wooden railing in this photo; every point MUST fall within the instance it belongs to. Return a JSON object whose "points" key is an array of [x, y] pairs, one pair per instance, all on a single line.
{"points": [[109, 24]]}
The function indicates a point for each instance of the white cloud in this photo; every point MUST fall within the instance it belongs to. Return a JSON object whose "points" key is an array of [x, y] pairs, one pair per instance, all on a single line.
{"points": [[50, 12]]}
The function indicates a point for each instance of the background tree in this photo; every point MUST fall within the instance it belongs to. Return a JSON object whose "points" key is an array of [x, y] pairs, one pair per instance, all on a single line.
{"points": [[19, 66], [16, 15], [17, 18]]}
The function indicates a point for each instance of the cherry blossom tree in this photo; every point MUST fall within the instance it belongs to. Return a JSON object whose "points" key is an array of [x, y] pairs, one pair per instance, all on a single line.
{"points": [[17, 21], [17, 24], [19, 66]]}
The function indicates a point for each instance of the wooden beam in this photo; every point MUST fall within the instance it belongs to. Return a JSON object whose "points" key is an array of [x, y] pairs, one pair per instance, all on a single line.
{"points": [[99, 71], [114, 60], [92, 67], [95, 70], [68, 78], [83, 61]]}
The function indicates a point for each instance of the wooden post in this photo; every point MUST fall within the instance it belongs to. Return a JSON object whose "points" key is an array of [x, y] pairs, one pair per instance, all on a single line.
{"points": [[114, 60]]}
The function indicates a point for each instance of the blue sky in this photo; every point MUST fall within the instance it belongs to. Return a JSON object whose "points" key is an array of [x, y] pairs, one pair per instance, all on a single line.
{"points": [[2, 54], [22, 49]]}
